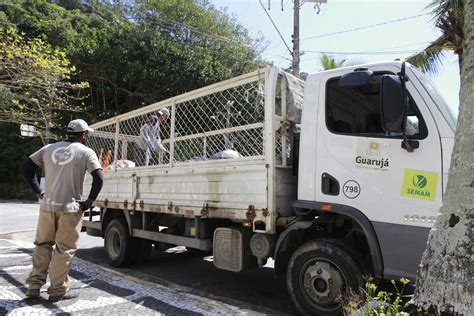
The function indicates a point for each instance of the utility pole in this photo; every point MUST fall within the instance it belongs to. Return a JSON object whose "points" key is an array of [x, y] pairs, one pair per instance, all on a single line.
{"points": [[296, 38], [295, 53]]}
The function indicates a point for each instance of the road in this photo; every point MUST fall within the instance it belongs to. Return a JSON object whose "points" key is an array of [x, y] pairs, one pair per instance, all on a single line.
{"points": [[256, 290]]}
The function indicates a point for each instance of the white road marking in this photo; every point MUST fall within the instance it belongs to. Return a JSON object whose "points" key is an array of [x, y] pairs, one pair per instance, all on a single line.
{"points": [[16, 268], [171, 294], [13, 255], [80, 305]]}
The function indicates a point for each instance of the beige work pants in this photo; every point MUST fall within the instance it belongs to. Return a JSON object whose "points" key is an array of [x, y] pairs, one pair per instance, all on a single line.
{"points": [[61, 230]]}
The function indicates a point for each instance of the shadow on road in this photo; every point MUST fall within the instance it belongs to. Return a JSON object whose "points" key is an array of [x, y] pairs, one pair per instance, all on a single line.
{"points": [[196, 271]]}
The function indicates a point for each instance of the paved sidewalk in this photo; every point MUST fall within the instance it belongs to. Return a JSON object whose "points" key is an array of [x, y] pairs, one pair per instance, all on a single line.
{"points": [[97, 291]]}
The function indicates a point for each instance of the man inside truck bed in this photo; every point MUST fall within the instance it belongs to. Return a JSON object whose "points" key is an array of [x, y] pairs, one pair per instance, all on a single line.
{"points": [[65, 164], [150, 140]]}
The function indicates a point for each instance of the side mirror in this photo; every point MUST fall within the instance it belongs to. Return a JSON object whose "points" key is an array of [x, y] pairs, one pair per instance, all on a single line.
{"points": [[392, 104], [357, 78]]}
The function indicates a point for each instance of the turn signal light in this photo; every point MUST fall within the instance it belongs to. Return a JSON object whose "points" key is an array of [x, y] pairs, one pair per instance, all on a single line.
{"points": [[326, 207], [247, 224]]}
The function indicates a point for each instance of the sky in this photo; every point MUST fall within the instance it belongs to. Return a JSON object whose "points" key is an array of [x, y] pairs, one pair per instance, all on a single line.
{"points": [[381, 43]]}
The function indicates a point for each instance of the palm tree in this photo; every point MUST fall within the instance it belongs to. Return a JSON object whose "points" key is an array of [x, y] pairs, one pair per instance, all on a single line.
{"points": [[330, 63], [445, 274], [448, 17]]}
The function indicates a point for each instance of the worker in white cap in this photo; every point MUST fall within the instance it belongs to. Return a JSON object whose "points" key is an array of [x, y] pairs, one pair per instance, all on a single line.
{"points": [[150, 140], [65, 164]]}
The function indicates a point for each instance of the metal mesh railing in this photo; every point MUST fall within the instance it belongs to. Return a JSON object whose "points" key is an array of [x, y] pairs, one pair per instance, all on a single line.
{"points": [[103, 143], [228, 122]]}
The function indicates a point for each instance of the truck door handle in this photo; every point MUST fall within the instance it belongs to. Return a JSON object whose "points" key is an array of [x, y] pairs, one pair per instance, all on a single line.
{"points": [[410, 145], [329, 184]]}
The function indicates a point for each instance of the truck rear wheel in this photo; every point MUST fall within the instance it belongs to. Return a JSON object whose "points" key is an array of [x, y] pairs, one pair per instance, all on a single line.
{"points": [[319, 272], [119, 245]]}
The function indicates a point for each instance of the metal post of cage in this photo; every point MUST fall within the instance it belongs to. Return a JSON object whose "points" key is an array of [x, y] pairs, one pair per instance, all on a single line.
{"points": [[117, 131]]}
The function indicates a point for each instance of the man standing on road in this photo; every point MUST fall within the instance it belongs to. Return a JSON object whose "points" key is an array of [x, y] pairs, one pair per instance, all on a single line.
{"points": [[150, 137], [60, 221]]}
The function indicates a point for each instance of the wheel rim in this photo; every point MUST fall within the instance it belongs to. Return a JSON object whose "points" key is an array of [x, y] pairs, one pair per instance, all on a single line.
{"points": [[322, 282], [114, 245]]}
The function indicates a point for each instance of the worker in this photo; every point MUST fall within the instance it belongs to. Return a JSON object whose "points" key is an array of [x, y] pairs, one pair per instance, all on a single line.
{"points": [[150, 140], [61, 209]]}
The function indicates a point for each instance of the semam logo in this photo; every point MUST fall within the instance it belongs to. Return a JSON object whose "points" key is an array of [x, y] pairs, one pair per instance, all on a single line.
{"points": [[419, 185], [62, 155], [420, 181]]}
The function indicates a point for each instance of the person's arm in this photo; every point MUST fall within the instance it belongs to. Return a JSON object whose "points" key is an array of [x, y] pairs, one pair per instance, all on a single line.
{"points": [[97, 182], [161, 146], [93, 166], [148, 135], [157, 139], [29, 173]]}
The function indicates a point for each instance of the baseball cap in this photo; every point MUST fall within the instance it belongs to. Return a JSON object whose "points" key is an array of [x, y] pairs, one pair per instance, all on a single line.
{"points": [[77, 126], [164, 111]]}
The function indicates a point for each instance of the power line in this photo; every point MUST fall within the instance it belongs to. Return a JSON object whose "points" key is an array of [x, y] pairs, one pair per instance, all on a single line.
{"points": [[366, 27], [276, 28], [361, 53], [169, 22], [403, 46]]}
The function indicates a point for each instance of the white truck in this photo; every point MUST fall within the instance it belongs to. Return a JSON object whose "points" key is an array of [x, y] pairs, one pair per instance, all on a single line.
{"points": [[333, 178]]}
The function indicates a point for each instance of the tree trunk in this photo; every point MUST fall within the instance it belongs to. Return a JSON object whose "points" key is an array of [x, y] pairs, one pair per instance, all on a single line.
{"points": [[445, 276]]}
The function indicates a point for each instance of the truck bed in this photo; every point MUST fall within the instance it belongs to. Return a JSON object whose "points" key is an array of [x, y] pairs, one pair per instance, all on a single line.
{"points": [[256, 186]]}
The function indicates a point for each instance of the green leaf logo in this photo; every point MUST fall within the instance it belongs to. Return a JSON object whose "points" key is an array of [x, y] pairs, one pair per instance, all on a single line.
{"points": [[420, 181]]}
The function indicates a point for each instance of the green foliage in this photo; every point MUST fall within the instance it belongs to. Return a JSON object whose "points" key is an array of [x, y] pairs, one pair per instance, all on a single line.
{"points": [[131, 53], [376, 303], [15, 150], [34, 80], [329, 63], [448, 18], [138, 52]]}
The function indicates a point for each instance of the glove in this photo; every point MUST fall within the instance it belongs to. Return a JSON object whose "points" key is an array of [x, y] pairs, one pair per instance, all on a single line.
{"points": [[85, 205]]}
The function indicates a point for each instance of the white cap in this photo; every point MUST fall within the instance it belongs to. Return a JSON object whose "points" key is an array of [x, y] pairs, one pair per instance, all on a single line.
{"points": [[164, 111], [78, 126]]}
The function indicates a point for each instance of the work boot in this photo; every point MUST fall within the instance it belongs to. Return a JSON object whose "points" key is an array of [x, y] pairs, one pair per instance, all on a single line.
{"points": [[33, 293], [55, 298]]}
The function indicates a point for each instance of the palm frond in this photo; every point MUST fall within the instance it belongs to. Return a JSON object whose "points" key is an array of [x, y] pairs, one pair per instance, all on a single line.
{"points": [[430, 59], [328, 62], [441, 8], [448, 16]]}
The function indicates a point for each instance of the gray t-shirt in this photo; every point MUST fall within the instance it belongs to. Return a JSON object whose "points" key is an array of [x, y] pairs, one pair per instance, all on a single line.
{"points": [[65, 165]]}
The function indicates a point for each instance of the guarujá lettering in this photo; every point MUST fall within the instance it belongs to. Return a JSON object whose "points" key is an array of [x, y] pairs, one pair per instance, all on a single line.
{"points": [[373, 162]]}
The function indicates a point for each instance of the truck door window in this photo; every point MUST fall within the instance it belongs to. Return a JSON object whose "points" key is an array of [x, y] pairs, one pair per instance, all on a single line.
{"points": [[356, 111]]}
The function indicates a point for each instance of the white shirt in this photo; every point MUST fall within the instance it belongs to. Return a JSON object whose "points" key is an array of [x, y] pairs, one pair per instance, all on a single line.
{"points": [[150, 137], [65, 165]]}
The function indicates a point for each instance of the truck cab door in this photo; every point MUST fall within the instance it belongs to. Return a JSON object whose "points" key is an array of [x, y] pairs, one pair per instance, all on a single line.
{"points": [[360, 166]]}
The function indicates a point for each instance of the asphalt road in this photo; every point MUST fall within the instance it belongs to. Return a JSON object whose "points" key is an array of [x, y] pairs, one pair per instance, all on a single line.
{"points": [[257, 289]]}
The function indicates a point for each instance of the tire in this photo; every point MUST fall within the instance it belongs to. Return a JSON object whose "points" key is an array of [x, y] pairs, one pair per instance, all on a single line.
{"points": [[318, 273], [120, 247]]}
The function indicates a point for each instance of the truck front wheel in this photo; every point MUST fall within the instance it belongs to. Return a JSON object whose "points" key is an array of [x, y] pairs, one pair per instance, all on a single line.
{"points": [[319, 272], [119, 245]]}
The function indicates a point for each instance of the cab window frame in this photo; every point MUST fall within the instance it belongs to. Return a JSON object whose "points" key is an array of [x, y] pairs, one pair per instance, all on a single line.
{"points": [[422, 127]]}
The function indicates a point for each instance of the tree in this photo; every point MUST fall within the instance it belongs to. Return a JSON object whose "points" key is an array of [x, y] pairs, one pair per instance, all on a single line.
{"points": [[449, 19], [35, 81], [132, 52], [330, 63], [445, 276], [138, 52]]}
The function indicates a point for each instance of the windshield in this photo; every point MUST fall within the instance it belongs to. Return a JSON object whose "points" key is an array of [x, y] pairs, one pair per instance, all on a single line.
{"points": [[438, 100]]}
